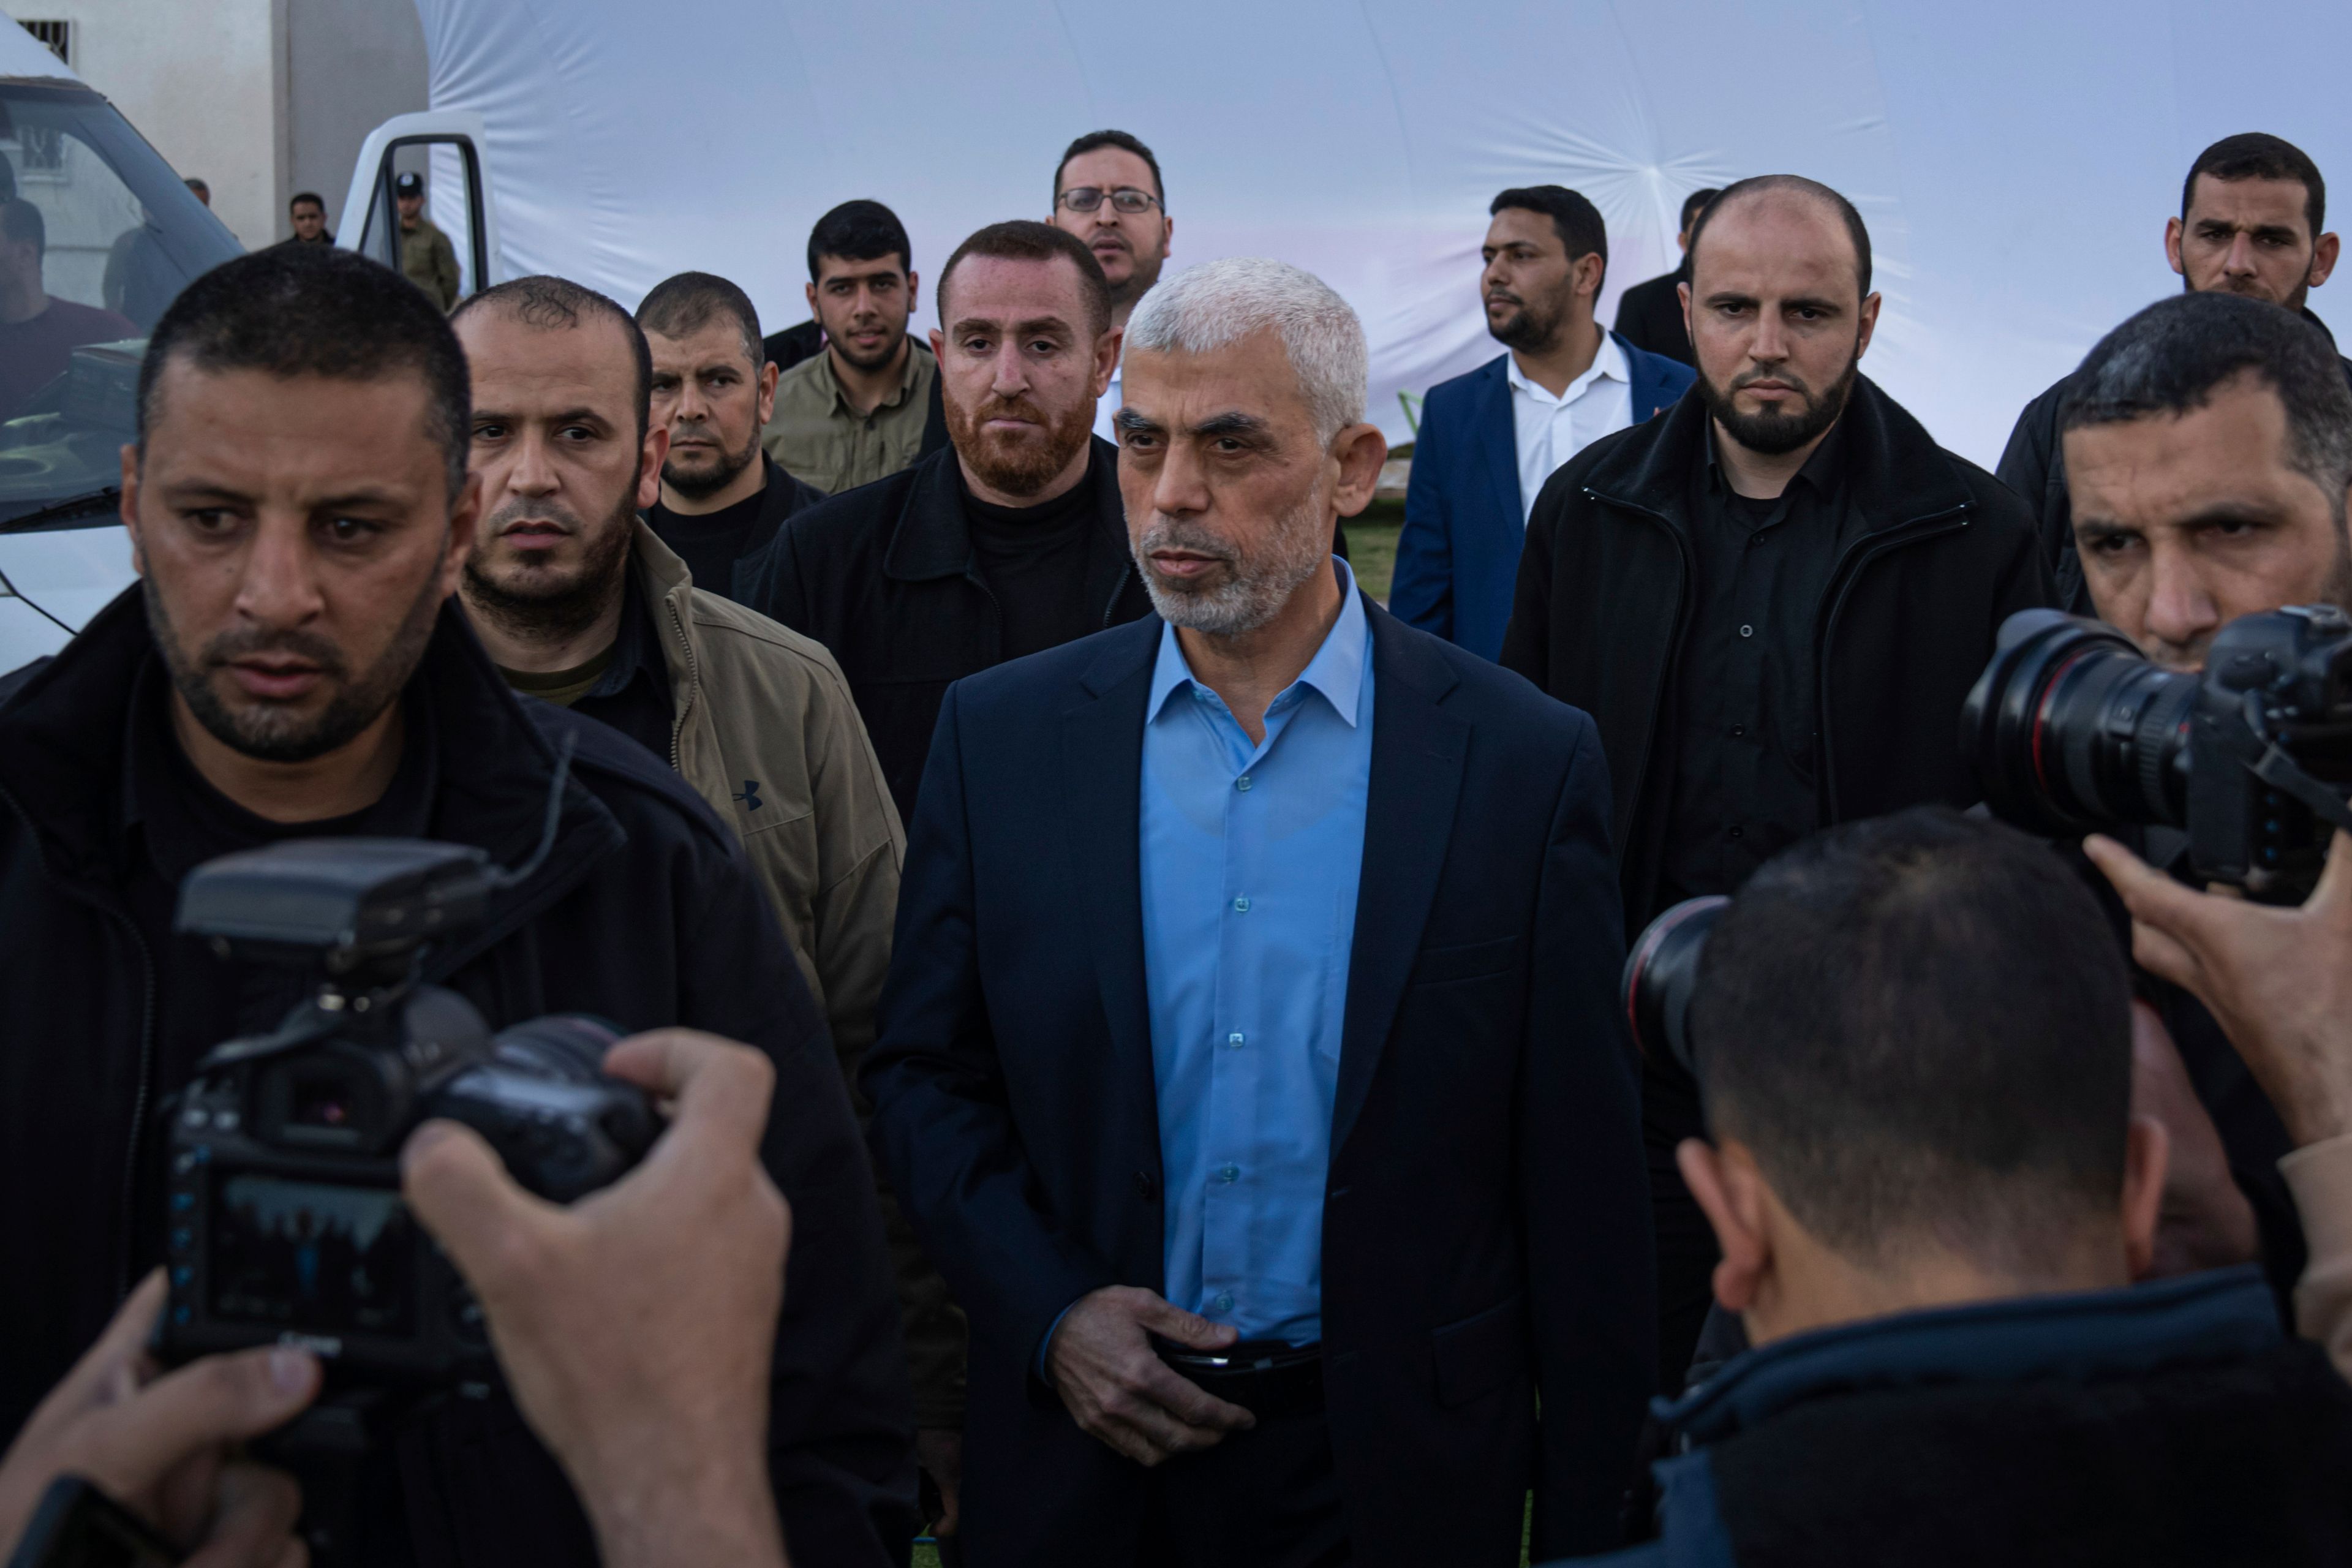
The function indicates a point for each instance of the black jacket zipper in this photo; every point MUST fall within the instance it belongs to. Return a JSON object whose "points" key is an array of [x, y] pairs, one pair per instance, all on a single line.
{"points": [[1666, 664], [1858, 554]]}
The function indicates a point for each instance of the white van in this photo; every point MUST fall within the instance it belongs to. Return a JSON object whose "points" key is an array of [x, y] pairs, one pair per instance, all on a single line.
{"points": [[97, 237]]}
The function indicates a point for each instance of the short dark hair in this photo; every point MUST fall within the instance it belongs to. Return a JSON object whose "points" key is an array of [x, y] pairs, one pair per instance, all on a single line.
{"points": [[1921, 1026], [1025, 240], [2258, 155], [313, 197], [860, 231], [1577, 219], [1125, 143], [20, 220], [2169, 358], [194, 183], [1856, 229], [311, 309], [549, 302], [686, 303], [1696, 203]]}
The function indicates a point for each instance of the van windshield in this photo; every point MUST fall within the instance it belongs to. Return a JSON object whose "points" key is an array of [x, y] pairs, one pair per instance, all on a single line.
{"points": [[97, 238]]}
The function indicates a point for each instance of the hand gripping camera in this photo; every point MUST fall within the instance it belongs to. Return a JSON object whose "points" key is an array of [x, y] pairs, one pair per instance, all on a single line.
{"points": [[2073, 730], [285, 1221]]}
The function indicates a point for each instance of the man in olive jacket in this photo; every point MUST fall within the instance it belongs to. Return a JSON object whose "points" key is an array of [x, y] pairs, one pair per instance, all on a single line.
{"points": [[1772, 599]]}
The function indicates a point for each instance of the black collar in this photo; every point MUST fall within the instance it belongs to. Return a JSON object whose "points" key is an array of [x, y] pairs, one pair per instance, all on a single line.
{"points": [[634, 643], [933, 537], [1894, 471], [62, 755]]}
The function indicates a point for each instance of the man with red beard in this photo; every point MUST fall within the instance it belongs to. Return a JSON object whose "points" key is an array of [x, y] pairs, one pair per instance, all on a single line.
{"points": [[1009, 541], [1772, 598]]}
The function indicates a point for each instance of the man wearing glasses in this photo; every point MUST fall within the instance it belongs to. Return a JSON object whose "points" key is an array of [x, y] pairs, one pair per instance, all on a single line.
{"points": [[1108, 193]]}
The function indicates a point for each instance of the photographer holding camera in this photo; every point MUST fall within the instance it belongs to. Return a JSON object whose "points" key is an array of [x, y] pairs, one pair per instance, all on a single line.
{"points": [[635, 1326], [2208, 454], [291, 667], [1913, 1040]]}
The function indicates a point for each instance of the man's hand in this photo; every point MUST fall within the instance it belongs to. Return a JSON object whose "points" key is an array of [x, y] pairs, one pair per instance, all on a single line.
{"points": [[2206, 1221], [2279, 981], [161, 1445], [940, 1450], [1101, 1362], [636, 1327]]}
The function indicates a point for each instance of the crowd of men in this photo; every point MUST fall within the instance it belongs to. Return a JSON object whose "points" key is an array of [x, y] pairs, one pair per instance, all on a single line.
{"points": [[1177, 996]]}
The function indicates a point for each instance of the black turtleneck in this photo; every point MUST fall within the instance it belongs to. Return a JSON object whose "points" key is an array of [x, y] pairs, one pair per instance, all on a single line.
{"points": [[1033, 560]]}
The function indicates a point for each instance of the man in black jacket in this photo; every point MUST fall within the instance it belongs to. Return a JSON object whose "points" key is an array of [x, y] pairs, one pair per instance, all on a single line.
{"points": [[722, 498], [292, 665], [1772, 599], [1010, 540], [1935, 1196], [2252, 222], [1650, 315]]}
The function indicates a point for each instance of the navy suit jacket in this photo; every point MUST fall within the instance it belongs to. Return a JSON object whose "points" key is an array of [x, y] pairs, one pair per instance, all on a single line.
{"points": [[1457, 561], [1486, 1227]]}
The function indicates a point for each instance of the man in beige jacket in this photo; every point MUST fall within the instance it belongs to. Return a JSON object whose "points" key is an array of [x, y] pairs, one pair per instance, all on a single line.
{"points": [[580, 603]]}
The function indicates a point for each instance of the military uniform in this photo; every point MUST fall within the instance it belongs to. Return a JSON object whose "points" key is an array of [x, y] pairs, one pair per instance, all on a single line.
{"points": [[429, 262], [817, 438]]}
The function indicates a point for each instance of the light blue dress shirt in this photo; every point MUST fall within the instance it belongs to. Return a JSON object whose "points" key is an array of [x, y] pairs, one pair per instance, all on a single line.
{"points": [[1251, 858]]}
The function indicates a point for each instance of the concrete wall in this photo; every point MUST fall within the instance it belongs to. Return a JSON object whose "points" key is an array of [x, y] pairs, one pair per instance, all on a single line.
{"points": [[200, 81], [258, 98], [352, 65]]}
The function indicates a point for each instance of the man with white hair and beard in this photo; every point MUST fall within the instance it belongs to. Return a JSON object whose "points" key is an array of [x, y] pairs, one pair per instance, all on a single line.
{"points": [[1252, 1070], [1772, 599], [1004, 542]]}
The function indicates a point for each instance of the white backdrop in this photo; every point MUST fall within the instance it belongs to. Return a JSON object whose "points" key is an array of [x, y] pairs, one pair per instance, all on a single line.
{"points": [[2015, 158]]}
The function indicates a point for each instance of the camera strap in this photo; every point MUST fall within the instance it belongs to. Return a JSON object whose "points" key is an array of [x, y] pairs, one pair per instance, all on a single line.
{"points": [[2277, 769]]}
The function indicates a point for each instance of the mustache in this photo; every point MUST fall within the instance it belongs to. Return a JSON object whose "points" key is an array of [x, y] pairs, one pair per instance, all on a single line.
{"points": [[1794, 383], [995, 407], [1176, 533], [230, 647], [516, 511]]}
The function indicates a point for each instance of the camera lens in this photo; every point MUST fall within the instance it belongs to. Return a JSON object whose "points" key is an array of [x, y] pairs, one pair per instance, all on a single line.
{"points": [[566, 1047], [2072, 729], [1662, 971]]}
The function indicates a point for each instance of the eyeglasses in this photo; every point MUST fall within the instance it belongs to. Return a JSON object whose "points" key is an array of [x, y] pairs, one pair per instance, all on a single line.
{"points": [[1127, 199]]}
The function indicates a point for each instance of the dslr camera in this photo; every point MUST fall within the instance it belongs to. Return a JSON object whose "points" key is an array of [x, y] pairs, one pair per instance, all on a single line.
{"points": [[2074, 732], [284, 1218]]}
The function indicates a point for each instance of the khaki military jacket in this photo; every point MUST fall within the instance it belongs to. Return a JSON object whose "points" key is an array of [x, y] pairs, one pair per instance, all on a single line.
{"points": [[429, 262], [765, 730], [818, 438]]}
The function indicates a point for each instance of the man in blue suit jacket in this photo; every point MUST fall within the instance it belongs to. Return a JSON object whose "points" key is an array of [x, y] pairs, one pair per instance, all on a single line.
{"points": [[1489, 439], [1250, 1065]]}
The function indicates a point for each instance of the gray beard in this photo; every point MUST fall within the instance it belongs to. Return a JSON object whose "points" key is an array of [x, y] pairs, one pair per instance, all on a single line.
{"points": [[1259, 584]]}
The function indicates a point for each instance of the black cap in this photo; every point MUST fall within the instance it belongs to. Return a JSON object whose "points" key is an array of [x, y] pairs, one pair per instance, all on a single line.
{"points": [[409, 185]]}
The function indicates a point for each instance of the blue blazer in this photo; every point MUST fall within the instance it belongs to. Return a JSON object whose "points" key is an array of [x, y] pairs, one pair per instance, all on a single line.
{"points": [[1457, 558], [1486, 1223]]}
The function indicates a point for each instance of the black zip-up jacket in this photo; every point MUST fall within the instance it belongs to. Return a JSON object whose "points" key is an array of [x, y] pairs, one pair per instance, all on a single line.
{"points": [[1907, 624], [645, 913], [883, 576]]}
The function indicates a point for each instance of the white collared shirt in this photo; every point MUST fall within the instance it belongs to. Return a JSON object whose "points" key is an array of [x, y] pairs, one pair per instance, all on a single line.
{"points": [[1552, 430]]}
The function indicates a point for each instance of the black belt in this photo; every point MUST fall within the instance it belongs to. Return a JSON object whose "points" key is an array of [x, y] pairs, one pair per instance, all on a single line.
{"points": [[1265, 1377]]}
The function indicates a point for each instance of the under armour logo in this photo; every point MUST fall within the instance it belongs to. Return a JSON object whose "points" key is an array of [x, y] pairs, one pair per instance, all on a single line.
{"points": [[751, 795]]}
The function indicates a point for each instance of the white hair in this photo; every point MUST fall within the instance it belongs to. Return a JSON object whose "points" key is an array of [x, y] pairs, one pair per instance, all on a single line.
{"points": [[1215, 303]]}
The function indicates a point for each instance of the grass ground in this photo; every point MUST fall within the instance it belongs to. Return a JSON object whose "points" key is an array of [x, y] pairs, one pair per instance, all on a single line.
{"points": [[927, 1555], [1371, 545]]}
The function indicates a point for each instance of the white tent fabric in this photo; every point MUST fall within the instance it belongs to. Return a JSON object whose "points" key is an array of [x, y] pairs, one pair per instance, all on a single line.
{"points": [[2015, 160]]}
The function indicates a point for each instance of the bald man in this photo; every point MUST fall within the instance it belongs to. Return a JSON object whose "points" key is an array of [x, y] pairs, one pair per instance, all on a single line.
{"points": [[1772, 598]]}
